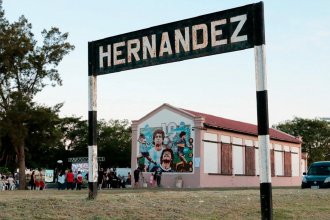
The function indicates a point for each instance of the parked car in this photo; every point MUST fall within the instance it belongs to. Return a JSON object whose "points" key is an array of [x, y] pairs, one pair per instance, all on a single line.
{"points": [[318, 176]]}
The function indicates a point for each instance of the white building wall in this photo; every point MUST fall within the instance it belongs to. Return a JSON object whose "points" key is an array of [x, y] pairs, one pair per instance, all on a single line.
{"points": [[238, 160], [295, 161], [210, 157], [279, 160], [211, 153]]}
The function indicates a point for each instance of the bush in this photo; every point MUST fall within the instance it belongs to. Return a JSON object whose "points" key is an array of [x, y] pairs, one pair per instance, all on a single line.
{"points": [[4, 170]]}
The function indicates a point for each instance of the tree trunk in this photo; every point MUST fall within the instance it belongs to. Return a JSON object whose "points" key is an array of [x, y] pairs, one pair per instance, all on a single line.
{"points": [[21, 165]]}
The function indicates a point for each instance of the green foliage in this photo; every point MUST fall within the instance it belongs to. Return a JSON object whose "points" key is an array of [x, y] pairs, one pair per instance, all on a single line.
{"points": [[34, 134], [44, 134], [4, 170], [114, 142], [25, 69], [315, 134]]}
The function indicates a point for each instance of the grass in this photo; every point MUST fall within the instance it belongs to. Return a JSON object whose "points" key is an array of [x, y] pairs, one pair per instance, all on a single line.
{"points": [[176, 204]]}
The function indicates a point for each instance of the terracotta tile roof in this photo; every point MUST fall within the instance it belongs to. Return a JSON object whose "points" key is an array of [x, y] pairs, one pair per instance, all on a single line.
{"points": [[215, 122]]}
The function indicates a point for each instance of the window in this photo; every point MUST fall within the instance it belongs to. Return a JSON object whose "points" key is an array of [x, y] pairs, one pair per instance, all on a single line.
{"points": [[279, 163], [295, 161], [238, 155], [272, 160], [226, 159], [287, 164], [250, 161], [211, 162], [238, 159], [210, 157]]}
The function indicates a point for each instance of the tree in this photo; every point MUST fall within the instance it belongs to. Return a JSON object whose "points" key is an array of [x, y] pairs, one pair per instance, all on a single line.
{"points": [[44, 135], [114, 142], [315, 134], [25, 69], [74, 140]]}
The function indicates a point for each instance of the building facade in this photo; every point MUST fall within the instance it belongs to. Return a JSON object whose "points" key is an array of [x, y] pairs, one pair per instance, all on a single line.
{"points": [[204, 150]]}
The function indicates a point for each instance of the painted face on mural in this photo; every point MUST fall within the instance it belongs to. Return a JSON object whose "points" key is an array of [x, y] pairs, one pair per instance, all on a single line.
{"points": [[158, 140], [167, 157]]}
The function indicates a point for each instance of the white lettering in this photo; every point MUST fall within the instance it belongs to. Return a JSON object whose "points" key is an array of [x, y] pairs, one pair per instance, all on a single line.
{"points": [[103, 54], [165, 45], [117, 53], [184, 41], [195, 44], [147, 47], [242, 19], [133, 50], [215, 33]]}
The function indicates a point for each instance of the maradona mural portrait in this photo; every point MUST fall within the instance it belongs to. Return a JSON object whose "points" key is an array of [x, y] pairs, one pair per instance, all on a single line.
{"points": [[169, 146]]}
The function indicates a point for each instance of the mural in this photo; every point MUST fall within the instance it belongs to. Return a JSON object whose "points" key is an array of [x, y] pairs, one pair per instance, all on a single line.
{"points": [[82, 167], [169, 146]]}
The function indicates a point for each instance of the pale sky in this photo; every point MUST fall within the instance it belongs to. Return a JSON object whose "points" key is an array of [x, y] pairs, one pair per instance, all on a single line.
{"points": [[297, 60]]}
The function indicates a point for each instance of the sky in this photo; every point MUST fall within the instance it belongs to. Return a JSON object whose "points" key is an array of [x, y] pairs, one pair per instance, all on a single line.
{"points": [[297, 60]]}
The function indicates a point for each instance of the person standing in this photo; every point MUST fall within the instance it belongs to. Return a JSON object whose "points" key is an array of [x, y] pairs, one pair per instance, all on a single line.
{"points": [[69, 180], [158, 175], [79, 180], [61, 181], [151, 180], [32, 181], [129, 179], [41, 183], [137, 172], [100, 178]]}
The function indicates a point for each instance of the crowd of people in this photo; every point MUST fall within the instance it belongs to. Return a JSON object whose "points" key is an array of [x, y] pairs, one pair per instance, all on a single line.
{"points": [[155, 177], [106, 179], [8, 182], [109, 179], [67, 180], [36, 181]]}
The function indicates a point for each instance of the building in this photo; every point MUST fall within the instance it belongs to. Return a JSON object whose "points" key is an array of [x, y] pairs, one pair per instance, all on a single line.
{"points": [[218, 152]]}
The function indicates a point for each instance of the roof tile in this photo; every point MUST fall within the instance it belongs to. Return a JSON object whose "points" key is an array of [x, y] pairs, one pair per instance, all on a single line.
{"points": [[241, 127]]}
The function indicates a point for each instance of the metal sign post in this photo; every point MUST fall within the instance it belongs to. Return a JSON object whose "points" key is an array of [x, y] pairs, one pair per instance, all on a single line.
{"points": [[220, 32]]}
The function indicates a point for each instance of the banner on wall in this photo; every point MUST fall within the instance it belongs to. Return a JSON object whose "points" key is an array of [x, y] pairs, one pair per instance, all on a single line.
{"points": [[169, 147], [49, 176], [82, 167]]}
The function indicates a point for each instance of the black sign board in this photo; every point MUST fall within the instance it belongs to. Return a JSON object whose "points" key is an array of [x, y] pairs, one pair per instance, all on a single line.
{"points": [[83, 159], [220, 32]]}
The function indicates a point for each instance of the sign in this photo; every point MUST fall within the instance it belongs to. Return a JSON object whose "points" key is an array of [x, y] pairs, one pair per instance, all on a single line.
{"points": [[220, 32], [49, 176], [83, 159]]}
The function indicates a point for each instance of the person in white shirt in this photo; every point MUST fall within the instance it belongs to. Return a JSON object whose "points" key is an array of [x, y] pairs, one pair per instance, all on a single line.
{"points": [[61, 181], [11, 182]]}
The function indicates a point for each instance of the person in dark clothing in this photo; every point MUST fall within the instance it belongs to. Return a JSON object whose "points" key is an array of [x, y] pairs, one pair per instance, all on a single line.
{"points": [[100, 178], [137, 172], [158, 175], [32, 181]]}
